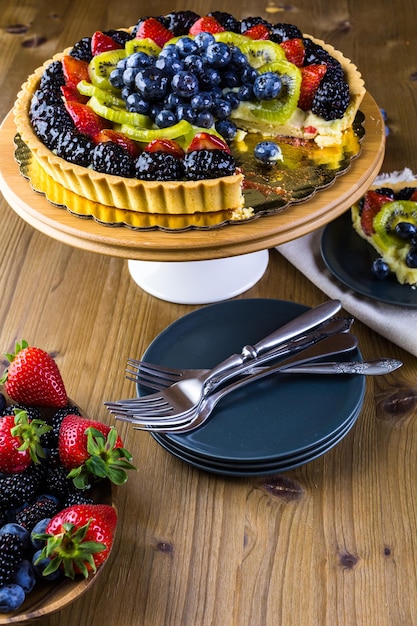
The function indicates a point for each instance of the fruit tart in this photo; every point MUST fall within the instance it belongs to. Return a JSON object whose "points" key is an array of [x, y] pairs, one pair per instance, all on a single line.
{"points": [[157, 117], [386, 217]]}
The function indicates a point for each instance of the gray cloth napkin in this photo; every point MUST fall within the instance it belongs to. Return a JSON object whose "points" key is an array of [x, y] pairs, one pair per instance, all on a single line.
{"points": [[396, 323]]}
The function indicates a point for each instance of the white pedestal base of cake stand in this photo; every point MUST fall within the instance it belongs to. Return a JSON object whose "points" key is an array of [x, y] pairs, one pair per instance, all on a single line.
{"points": [[199, 282]]}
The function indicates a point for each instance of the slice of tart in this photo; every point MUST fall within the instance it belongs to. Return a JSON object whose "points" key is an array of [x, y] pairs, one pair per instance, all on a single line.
{"points": [[153, 118], [386, 217]]}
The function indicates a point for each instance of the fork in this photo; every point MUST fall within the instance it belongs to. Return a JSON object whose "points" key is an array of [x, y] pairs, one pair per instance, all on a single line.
{"points": [[186, 405], [371, 368]]}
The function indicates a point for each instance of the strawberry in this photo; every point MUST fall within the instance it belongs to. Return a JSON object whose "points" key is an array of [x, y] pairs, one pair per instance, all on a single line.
{"points": [[71, 94], [20, 443], [85, 119], [74, 71], [206, 141], [294, 51], [311, 76], [102, 43], [90, 448], [165, 145], [206, 24], [128, 144], [78, 539], [372, 204], [33, 378], [152, 29], [258, 31]]}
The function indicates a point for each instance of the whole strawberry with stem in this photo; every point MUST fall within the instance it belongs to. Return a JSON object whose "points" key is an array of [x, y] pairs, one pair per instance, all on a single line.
{"points": [[33, 378], [78, 539], [89, 448], [20, 441]]}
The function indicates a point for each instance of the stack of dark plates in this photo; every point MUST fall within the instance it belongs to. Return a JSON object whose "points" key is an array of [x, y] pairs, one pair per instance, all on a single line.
{"points": [[270, 426]]}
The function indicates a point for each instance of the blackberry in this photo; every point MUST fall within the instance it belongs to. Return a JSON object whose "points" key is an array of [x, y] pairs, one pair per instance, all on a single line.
{"points": [[32, 411], [202, 164], [77, 496], [16, 489], [110, 158], [11, 555], [43, 103], [52, 75], [179, 22], [248, 22], [228, 21], [57, 482], [282, 32], [50, 123], [332, 97], [75, 147], [315, 54], [119, 36], [59, 416], [82, 50], [158, 166], [405, 193], [36, 511], [3, 402]]}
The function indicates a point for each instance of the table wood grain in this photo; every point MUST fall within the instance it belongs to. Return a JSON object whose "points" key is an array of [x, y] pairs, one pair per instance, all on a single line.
{"points": [[333, 542]]}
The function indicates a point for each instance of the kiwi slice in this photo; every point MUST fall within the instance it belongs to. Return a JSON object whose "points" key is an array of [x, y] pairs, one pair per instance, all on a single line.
{"points": [[388, 217], [232, 39], [260, 52], [104, 96], [113, 113], [101, 66], [142, 45], [144, 135]]}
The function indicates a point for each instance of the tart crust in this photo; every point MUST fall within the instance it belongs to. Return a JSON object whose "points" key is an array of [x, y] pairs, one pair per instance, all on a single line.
{"points": [[175, 197]]}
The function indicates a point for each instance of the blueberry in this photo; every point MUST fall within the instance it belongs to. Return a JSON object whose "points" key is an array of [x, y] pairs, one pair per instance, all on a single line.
{"points": [[406, 230], [165, 118], [411, 258], [137, 104], [232, 98], [230, 79], [186, 112], [201, 101], [222, 109], [171, 65], [40, 529], [238, 58], [267, 86], [11, 598], [40, 564], [152, 83], [245, 93], [185, 84], [138, 60], [203, 40], [210, 78], [204, 119], [248, 75], [116, 78], [186, 46], [267, 152], [193, 63], [218, 54], [227, 129], [25, 576], [16, 529], [128, 77], [380, 269]]}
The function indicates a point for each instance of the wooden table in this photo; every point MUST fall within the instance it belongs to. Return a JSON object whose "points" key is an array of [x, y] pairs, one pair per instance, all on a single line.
{"points": [[332, 542]]}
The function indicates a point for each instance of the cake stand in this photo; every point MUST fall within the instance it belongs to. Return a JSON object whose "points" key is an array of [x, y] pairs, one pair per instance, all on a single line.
{"points": [[196, 266]]}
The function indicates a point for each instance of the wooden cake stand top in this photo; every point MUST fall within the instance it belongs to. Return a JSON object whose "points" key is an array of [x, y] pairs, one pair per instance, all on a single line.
{"points": [[195, 245]]}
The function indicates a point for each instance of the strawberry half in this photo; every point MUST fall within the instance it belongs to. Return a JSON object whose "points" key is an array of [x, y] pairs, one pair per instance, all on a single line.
{"points": [[258, 31], [372, 204], [71, 94], [206, 24], [128, 144], [90, 448], [206, 141], [165, 145], [294, 51], [74, 71], [20, 443], [152, 29], [85, 119], [33, 378], [102, 43], [78, 539], [311, 77]]}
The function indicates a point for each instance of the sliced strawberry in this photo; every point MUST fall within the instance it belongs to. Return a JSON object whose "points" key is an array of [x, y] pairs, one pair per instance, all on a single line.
{"points": [[71, 94], [372, 204], [206, 24], [152, 29], [102, 43], [414, 196], [128, 144], [85, 119], [258, 31], [74, 70], [294, 51], [311, 76], [165, 145], [206, 141]]}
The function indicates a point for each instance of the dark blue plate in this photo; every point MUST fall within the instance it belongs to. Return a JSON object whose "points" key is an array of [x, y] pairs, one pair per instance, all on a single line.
{"points": [[272, 419]]}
